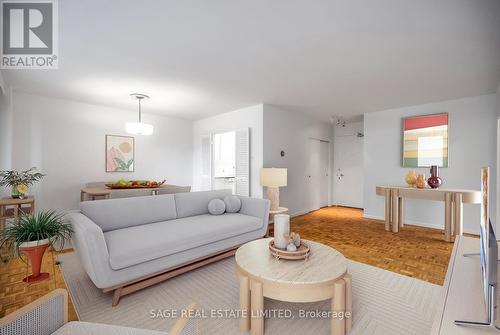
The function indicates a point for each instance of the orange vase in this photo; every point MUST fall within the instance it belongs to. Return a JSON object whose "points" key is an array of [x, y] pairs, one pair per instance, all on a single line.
{"points": [[421, 182], [35, 251]]}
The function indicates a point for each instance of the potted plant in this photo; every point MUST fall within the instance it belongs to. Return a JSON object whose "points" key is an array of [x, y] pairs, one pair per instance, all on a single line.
{"points": [[32, 235], [19, 181]]}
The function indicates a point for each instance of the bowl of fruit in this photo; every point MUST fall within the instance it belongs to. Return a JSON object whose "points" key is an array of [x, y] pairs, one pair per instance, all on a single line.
{"points": [[122, 183]]}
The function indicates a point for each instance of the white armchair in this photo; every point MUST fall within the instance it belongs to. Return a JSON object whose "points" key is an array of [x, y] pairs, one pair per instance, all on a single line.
{"points": [[48, 315]]}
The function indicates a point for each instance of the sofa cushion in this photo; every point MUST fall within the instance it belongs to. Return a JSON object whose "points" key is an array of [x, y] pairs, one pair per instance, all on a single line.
{"points": [[196, 203], [134, 245], [127, 212], [233, 203], [216, 207]]}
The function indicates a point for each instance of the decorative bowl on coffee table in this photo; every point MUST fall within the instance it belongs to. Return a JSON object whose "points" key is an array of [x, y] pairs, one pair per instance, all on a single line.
{"points": [[302, 252]]}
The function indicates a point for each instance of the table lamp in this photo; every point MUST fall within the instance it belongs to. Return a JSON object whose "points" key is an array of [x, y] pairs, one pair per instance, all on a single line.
{"points": [[273, 178]]}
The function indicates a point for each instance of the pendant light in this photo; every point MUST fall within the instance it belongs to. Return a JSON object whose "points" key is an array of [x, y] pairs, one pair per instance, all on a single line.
{"points": [[139, 128]]}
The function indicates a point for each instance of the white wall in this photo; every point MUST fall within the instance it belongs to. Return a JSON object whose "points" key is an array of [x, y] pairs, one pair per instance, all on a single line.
{"points": [[250, 117], [3, 87], [5, 133], [5, 130], [498, 159], [472, 144], [291, 132], [66, 140]]}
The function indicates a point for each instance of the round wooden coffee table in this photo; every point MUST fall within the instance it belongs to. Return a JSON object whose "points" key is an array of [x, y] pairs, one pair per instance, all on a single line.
{"points": [[322, 276]]}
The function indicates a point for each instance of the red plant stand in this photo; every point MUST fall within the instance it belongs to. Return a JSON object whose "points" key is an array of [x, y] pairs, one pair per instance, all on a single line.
{"points": [[35, 256]]}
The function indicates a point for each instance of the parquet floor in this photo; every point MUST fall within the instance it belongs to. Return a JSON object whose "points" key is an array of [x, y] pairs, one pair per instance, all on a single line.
{"points": [[14, 294], [416, 252]]}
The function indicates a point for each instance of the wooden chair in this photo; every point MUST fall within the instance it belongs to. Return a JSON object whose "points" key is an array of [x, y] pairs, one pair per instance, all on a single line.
{"points": [[49, 315]]}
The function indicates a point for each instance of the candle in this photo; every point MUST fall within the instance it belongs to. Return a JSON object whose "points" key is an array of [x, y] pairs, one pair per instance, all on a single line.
{"points": [[281, 230]]}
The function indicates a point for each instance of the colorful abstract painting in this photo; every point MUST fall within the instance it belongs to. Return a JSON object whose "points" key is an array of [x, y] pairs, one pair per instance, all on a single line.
{"points": [[425, 141], [119, 153]]}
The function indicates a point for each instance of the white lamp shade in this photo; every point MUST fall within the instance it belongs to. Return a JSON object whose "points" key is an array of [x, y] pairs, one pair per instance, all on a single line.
{"points": [[273, 177], [138, 128]]}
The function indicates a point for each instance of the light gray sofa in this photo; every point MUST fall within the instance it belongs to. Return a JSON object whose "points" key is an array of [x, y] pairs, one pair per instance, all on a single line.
{"points": [[123, 241]]}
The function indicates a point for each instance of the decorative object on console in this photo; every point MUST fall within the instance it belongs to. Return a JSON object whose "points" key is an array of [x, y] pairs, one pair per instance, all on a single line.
{"points": [[19, 181], [425, 141], [411, 178], [295, 239], [291, 247], [281, 230], [434, 181], [139, 128], [233, 204], [120, 152], [216, 207], [32, 235], [421, 182], [273, 178]]}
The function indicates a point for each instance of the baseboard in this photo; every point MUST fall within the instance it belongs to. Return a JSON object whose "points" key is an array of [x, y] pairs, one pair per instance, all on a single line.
{"points": [[298, 213], [410, 222]]}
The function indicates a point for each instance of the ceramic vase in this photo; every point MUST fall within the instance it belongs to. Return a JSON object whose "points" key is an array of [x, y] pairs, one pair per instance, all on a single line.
{"points": [[421, 182], [411, 178], [281, 230], [434, 181]]}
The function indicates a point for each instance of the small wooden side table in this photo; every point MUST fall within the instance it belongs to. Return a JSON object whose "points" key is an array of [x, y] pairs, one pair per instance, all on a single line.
{"points": [[281, 210], [10, 208], [92, 193]]}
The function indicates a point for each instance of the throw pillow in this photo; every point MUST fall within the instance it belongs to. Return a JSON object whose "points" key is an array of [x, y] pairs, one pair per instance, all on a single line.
{"points": [[233, 204], [216, 207]]}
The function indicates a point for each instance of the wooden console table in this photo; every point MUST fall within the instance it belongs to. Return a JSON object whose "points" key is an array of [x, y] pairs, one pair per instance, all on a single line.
{"points": [[453, 208]]}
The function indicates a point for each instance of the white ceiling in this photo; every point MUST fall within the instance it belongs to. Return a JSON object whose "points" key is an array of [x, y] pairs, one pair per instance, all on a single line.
{"points": [[333, 57]]}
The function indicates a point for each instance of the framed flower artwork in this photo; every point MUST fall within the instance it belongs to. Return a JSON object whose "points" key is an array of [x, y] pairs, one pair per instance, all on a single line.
{"points": [[120, 153]]}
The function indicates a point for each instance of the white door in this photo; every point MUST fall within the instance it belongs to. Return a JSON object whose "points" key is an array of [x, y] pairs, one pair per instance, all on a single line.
{"points": [[348, 165], [318, 179], [324, 178]]}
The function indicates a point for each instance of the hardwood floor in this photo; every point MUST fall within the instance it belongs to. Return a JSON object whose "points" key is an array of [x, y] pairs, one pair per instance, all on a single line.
{"points": [[415, 251], [14, 294]]}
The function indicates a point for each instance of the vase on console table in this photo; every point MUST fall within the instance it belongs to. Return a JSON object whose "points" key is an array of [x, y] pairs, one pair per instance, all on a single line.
{"points": [[281, 230], [434, 181], [411, 178], [421, 182]]}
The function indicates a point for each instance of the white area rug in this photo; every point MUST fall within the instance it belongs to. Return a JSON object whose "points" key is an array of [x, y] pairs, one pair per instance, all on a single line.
{"points": [[384, 302]]}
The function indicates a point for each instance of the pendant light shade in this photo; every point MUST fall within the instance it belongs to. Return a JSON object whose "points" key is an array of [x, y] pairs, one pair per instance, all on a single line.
{"points": [[139, 128]]}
